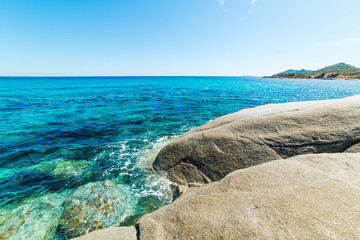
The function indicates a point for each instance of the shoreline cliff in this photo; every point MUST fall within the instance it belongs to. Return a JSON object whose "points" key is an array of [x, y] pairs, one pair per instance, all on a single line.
{"points": [[278, 171]]}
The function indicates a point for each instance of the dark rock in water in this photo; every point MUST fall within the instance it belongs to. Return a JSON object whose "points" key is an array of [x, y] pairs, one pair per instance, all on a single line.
{"points": [[258, 135], [95, 206]]}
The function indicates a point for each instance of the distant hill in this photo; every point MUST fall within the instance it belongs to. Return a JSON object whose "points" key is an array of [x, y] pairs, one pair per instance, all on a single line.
{"points": [[297, 71], [337, 71], [340, 67]]}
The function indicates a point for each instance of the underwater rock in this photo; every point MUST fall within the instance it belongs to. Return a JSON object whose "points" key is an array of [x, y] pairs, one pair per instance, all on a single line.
{"points": [[35, 218], [65, 168], [95, 206]]}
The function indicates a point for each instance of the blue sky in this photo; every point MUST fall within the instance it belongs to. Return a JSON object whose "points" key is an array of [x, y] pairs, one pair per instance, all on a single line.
{"points": [[175, 37]]}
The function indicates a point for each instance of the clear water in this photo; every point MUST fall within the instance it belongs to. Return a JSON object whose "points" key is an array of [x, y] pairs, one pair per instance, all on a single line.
{"points": [[74, 152]]}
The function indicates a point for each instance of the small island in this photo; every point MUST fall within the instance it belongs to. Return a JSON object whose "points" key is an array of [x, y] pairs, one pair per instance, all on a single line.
{"points": [[338, 71]]}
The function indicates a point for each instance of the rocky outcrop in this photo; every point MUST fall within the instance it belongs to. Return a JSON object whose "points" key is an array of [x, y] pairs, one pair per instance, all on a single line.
{"points": [[305, 197], [314, 196], [258, 135]]}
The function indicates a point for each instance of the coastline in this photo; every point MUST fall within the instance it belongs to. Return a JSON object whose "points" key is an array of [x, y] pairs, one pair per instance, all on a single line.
{"points": [[300, 78], [339, 71], [292, 147]]}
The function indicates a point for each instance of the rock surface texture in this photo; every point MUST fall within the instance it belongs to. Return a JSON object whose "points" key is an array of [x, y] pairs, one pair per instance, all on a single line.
{"points": [[304, 197], [258, 135]]}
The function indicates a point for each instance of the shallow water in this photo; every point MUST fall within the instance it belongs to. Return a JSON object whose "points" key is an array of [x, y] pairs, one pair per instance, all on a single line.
{"points": [[74, 151]]}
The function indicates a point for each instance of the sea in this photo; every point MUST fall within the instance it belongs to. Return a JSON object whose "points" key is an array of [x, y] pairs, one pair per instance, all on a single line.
{"points": [[76, 152]]}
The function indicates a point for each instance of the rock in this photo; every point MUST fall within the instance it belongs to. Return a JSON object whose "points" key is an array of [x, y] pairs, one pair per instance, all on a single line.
{"points": [[353, 149], [181, 189], [35, 218], [258, 135], [331, 75], [95, 206], [61, 168], [113, 233], [313, 196]]}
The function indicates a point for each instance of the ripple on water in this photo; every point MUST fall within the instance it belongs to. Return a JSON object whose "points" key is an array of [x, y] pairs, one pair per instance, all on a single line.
{"points": [[134, 190]]}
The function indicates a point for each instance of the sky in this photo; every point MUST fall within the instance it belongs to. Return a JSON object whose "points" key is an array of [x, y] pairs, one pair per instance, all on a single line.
{"points": [[175, 37]]}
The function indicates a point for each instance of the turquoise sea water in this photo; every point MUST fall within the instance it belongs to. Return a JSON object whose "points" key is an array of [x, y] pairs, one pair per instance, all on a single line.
{"points": [[74, 152]]}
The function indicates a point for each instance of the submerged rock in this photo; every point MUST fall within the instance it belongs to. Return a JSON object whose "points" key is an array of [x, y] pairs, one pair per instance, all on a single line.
{"points": [[95, 206], [312, 196], [35, 218], [258, 135], [62, 168]]}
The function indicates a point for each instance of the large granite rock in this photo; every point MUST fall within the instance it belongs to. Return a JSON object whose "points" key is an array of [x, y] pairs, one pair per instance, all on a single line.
{"points": [[258, 135], [304, 197]]}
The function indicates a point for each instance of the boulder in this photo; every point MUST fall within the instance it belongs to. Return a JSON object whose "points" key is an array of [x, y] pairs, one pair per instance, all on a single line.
{"points": [[313, 196], [258, 135]]}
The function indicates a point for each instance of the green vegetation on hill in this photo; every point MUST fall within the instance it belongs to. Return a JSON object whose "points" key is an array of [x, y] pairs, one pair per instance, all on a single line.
{"points": [[340, 67], [337, 71]]}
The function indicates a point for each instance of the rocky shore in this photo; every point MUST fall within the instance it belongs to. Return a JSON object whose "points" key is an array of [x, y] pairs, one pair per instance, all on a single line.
{"points": [[279, 171]]}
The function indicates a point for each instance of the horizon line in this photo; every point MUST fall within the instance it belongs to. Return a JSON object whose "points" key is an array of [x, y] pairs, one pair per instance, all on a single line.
{"points": [[113, 76]]}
